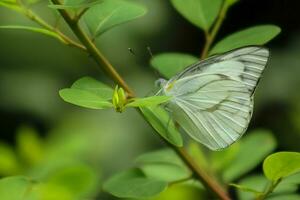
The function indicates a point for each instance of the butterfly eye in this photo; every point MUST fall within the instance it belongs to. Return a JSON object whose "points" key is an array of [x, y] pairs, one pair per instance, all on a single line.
{"points": [[160, 82]]}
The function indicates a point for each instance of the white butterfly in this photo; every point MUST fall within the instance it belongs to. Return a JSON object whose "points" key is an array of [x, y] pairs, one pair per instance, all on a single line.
{"points": [[213, 99]]}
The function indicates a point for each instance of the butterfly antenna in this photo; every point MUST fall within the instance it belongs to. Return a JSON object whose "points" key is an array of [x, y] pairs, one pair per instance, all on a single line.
{"points": [[131, 51], [150, 51]]}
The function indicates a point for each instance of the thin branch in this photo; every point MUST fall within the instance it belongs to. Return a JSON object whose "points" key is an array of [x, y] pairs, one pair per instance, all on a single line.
{"points": [[200, 174], [269, 190], [93, 50], [207, 181], [210, 36]]}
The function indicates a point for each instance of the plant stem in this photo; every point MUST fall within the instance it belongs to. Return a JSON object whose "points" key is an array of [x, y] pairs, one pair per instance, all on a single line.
{"points": [[34, 17], [269, 190], [207, 181], [93, 50], [200, 174], [210, 36]]}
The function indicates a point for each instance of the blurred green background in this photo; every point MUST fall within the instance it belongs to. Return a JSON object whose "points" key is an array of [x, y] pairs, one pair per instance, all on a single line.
{"points": [[42, 136]]}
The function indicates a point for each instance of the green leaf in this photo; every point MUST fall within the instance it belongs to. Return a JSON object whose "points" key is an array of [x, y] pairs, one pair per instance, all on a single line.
{"points": [[201, 13], [9, 164], [245, 188], [14, 188], [257, 35], [12, 5], [84, 98], [160, 156], [163, 165], [34, 29], [166, 172], [169, 64], [285, 197], [101, 17], [82, 4], [199, 155], [148, 101], [133, 184], [253, 149], [222, 159], [259, 183], [96, 87], [160, 120], [78, 180], [30, 145], [281, 164]]}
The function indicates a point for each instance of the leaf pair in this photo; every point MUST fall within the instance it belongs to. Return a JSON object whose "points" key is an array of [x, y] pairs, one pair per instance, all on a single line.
{"points": [[90, 93], [154, 172], [281, 172], [69, 182], [169, 64]]}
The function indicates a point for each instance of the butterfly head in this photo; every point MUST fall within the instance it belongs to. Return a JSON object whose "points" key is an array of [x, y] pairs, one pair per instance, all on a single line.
{"points": [[161, 83]]}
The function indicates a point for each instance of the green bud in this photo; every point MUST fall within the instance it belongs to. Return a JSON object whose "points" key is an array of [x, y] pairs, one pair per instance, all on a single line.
{"points": [[119, 99]]}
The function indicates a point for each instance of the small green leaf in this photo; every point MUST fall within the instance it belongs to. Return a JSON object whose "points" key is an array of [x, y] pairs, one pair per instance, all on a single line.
{"points": [[160, 156], [75, 5], [34, 29], [30, 145], [96, 87], [163, 165], [9, 164], [14, 188], [133, 184], [253, 149], [201, 13], [281, 164], [245, 188], [160, 120], [222, 159], [84, 98], [257, 35], [78, 180], [231, 2], [166, 172], [148, 101], [285, 197], [101, 17], [260, 183], [169, 64], [12, 5]]}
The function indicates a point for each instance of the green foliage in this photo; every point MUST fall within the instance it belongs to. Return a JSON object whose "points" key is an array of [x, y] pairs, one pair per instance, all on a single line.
{"points": [[68, 179], [148, 101], [11, 4], [257, 35], [253, 186], [84, 98], [109, 13], [163, 165], [252, 150], [134, 184], [169, 64], [9, 163], [281, 164], [96, 87], [34, 29], [77, 181], [14, 188], [78, 4], [201, 13], [30, 145], [160, 120]]}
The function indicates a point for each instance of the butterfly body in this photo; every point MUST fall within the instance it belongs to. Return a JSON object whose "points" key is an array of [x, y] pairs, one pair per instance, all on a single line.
{"points": [[213, 99]]}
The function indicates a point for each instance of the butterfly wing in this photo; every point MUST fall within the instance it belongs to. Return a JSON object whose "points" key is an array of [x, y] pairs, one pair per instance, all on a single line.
{"points": [[213, 99]]}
